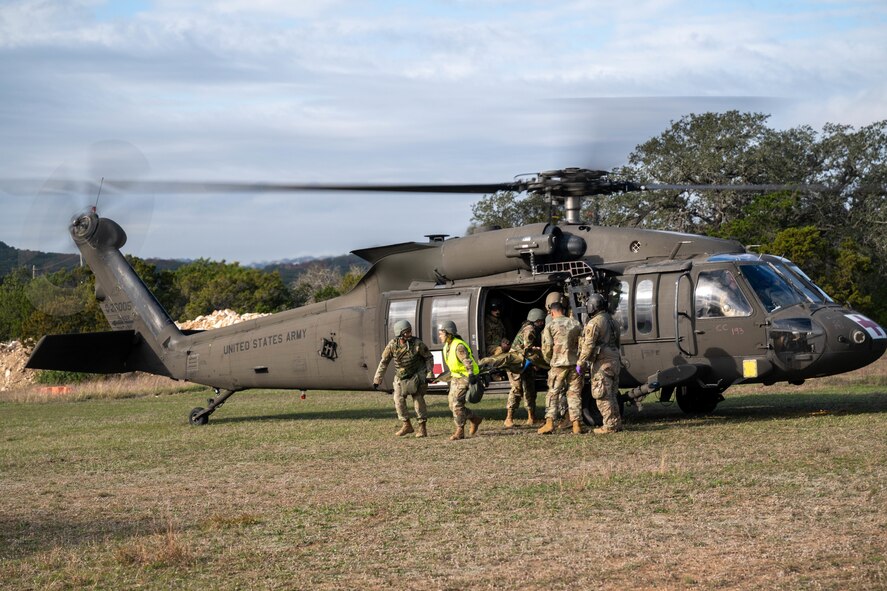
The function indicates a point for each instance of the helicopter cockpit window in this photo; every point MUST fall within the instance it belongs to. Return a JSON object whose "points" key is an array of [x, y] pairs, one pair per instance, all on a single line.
{"points": [[643, 307], [796, 270], [453, 308], [620, 315], [718, 296], [799, 279], [773, 291], [796, 282], [401, 310]]}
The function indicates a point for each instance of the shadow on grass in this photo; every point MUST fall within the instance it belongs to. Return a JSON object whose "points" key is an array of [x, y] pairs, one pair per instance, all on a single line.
{"points": [[749, 407], [326, 415], [20, 538], [763, 407]]}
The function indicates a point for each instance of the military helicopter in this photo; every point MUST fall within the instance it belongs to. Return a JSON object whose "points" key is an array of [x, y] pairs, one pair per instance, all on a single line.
{"points": [[697, 314]]}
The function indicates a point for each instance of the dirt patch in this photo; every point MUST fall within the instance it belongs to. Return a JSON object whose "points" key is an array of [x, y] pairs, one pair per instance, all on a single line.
{"points": [[13, 374]]}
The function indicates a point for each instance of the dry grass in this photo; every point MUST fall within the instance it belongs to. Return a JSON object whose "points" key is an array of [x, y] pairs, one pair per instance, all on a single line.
{"points": [[129, 385], [774, 491]]}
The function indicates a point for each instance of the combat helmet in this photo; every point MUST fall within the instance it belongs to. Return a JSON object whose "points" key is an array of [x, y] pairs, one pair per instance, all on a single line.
{"points": [[536, 314], [400, 326], [596, 303], [552, 298], [447, 326]]}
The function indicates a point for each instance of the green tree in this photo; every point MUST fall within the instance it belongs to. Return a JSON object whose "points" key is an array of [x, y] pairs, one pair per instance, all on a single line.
{"points": [[507, 209], [14, 304], [320, 283], [205, 286], [62, 302]]}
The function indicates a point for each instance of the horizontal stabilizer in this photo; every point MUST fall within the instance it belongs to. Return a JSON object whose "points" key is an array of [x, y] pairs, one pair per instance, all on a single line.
{"points": [[92, 352]]}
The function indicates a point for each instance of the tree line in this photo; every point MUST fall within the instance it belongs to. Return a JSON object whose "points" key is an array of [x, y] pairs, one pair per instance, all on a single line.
{"points": [[64, 301], [835, 227]]}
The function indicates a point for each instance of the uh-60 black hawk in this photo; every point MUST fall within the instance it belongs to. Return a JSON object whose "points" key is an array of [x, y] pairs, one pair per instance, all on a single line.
{"points": [[697, 314]]}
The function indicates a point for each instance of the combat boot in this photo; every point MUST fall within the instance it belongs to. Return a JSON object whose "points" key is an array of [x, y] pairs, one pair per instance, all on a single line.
{"points": [[565, 423], [459, 434], [422, 432], [547, 428], [577, 427], [605, 430], [475, 423], [531, 415], [509, 420], [406, 429]]}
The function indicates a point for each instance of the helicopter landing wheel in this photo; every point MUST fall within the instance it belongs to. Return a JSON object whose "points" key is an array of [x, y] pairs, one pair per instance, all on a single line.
{"points": [[196, 418]]}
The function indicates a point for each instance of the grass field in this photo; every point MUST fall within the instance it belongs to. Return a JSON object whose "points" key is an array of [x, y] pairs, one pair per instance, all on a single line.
{"points": [[778, 490]]}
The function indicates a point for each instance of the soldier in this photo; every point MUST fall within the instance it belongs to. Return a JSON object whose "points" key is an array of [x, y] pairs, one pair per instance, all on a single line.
{"points": [[523, 383], [563, 417], [600, 348], [413, 367], [463, 371], [494, 330], [560, 348]]}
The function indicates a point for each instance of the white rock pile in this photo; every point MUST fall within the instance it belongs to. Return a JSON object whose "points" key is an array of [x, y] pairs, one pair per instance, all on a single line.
{"points": [[13, 374]]}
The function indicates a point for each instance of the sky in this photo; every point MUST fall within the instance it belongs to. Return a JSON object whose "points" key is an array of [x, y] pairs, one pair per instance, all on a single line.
{"points": [[346, 91]]}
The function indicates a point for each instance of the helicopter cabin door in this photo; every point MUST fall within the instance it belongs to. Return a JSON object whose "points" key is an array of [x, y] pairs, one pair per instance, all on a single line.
{"points": [[662, 312], [458, 305]]}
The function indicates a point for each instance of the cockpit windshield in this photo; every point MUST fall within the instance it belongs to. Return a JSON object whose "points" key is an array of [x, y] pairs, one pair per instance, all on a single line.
{"points": [[790, 275], [773, 291], [810, 289], [787, 270]]}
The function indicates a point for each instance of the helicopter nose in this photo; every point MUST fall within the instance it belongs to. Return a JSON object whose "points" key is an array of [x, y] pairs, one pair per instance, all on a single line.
{"points": [[854, 341]]}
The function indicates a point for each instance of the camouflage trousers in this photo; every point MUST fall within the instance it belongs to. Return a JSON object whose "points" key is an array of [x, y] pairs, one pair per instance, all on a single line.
{"points": [[605, 390], [456, 397], [400, 398], [522, 384], [564, 382]]}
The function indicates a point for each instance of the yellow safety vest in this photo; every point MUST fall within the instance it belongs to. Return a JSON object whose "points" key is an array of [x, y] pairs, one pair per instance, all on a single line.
{"points": [[457, 369]]}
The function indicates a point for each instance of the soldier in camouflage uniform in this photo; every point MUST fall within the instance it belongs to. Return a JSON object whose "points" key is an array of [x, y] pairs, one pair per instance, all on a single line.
{"points": [[523, 383], [560, 347], [600, 348], [463, 371], [494, 330], [413, 367], [562, 420]]}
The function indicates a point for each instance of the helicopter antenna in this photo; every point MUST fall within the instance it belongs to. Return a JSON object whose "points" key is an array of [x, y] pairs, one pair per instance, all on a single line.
{"points": [[96, 206]]}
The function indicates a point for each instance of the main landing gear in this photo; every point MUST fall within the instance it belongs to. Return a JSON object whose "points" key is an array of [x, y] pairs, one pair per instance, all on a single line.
{"points": [[200, 415]]}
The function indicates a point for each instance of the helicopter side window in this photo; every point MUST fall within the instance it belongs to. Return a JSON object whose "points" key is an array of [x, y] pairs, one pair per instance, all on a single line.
{"points": [[620, 315], [453, 308], [718, 296], [643, 307], [773, 291], [401, 310]]}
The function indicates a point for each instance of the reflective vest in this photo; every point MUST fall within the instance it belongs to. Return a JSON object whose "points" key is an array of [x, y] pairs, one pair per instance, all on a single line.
{"points": [[457, 369]]}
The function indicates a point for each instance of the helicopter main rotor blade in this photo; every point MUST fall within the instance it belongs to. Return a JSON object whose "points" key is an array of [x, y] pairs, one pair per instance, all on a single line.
{"points": [[748, 187], [247, 187]]}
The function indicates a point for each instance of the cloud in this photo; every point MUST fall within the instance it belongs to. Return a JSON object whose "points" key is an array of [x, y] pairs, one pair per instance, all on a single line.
{"points": [[338, 91]]}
